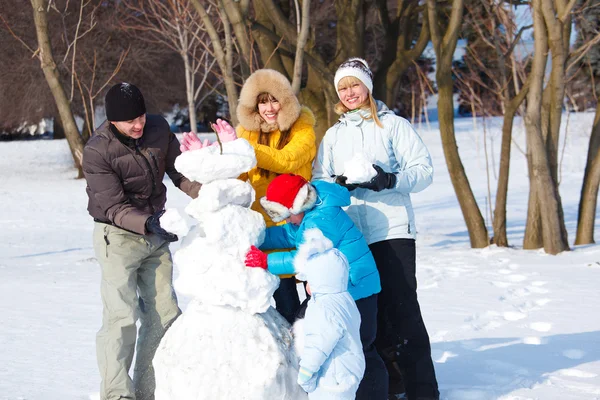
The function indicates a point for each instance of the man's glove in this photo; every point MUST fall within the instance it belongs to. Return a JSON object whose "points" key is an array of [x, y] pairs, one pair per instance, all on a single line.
{"points": [[307, 380], [383, 180], [341, 180], [256, 258], [153, 226]]}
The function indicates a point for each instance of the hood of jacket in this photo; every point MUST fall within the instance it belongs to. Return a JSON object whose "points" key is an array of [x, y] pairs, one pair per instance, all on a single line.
{"points": [[357, 117], [331, 194], [327, 272], [276, 84]]}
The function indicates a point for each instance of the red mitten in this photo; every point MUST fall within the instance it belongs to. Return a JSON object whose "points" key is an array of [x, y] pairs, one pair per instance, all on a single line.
{"points": [[256, 258]]}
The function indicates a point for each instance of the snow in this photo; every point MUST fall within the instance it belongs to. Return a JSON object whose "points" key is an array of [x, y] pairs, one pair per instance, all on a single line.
{"points": [[172, 221], [359, 169], [208, 164], [505, 324]]}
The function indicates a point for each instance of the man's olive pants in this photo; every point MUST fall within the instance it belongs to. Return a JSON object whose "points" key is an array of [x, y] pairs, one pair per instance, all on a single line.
{"points": [[137, 276]]}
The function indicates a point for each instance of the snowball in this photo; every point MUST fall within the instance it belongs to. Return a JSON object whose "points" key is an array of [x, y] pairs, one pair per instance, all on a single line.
{"points": [[359, 169], [207, 164], [172, 221], [217, 194], [224, 353]]}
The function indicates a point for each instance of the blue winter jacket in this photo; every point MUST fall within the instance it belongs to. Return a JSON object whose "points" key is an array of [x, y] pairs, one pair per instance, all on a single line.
{"points": [[396, 148], [328, 216], [332, 349]]}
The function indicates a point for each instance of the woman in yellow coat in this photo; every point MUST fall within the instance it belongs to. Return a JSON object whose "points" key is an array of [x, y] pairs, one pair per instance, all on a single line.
{"points": [[282, 134], [280, 130]]}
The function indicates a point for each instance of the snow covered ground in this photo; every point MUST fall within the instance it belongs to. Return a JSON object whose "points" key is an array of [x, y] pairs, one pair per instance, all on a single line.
{"points": [[505, 323]]}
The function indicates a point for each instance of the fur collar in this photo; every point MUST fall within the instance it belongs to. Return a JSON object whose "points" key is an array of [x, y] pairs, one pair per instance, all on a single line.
{"points": [[273, 82]]}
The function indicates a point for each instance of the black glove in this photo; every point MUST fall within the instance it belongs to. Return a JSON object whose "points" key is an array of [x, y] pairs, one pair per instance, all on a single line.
{"points": [[341, 180], [383, 180], [153, 226]]}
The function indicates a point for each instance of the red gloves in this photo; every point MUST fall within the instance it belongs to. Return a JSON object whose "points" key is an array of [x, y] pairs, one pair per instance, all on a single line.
{"points": [[256, 258]]}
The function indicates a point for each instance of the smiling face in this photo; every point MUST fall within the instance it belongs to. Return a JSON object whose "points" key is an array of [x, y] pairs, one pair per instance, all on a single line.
{"points": [[133, 128], [353, 93], [268, 107]]}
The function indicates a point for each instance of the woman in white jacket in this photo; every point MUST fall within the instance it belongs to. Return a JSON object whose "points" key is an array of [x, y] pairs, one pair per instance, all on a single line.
{"points": [[381, 208]]}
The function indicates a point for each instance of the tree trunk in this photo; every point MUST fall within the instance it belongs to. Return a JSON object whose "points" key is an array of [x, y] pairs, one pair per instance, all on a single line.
{"points": [[189, 92], [478, 234], [224, 58], [58, 132], [533, 226], [589, 191], [52, 78], [544, 187], [499, 224]]}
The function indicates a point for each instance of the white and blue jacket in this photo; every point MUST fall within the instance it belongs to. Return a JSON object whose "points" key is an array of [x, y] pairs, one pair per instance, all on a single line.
{"points": [[396, 148], [332, 349]]}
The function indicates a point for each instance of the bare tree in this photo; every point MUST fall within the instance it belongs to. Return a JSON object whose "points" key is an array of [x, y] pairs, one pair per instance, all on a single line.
{"points": [[44, 54], [174, 25], [223, 54], [444, 47], [544, 198], [589, 191], [303, 24], [494, 24]]}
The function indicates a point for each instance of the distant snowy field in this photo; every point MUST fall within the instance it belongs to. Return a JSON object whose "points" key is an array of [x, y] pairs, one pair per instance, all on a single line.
{"points": [[504, 323]]}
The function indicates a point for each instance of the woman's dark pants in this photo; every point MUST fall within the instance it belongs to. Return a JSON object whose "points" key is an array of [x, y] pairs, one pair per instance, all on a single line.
{"points": [[402, 338]]}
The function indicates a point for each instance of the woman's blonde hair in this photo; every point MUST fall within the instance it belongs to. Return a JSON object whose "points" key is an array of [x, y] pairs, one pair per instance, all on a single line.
{"points": [[369, 104], [263, 137]]}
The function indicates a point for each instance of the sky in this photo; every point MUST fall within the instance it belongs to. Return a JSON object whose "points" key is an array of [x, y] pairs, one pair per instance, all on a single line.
{"points": [[506, 324]]}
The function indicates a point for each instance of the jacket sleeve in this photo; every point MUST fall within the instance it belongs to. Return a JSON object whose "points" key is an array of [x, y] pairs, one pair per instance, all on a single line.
{"points": [[280, 237], [321, 334], [323, 167], [184, 184], [281, 262], [299, 151], [108, 191], [410, 151]]}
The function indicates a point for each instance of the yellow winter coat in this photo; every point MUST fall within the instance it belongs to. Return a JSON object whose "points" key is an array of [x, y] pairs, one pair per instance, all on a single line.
{"points": [[295, 157]]}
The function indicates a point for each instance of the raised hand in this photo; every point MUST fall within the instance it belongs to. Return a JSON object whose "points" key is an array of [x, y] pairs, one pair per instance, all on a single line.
{"points": [[225, 131], [190, 141]]}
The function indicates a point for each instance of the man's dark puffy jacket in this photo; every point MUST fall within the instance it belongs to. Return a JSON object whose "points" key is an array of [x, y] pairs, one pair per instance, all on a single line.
{"points": [[124, 176]]}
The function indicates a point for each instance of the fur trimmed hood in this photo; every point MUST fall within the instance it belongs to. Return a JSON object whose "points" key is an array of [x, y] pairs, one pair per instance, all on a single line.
{"points": [[276, 84]]}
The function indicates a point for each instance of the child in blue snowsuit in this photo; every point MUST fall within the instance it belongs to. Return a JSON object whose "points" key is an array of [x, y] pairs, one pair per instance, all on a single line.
{"points": [[319, 205], [332, 363]]}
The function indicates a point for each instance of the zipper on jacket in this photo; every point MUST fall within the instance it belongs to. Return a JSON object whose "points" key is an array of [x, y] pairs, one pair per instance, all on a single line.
{"points": [[137, 149], [154, 161]]}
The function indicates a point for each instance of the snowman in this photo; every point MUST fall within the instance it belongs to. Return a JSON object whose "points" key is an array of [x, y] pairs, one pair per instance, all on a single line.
{"points": [[229, 343]]}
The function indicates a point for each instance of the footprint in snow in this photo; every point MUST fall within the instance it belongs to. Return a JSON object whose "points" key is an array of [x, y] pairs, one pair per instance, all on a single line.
{"points": [[576, 373], [514, 316], [542, 302], [517, 278], [534, 340], [537, 290], [541, 326], [574, 354]]}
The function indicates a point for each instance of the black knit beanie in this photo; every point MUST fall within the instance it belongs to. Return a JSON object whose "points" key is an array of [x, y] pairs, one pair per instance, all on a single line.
{"points": [[124, 102]]}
